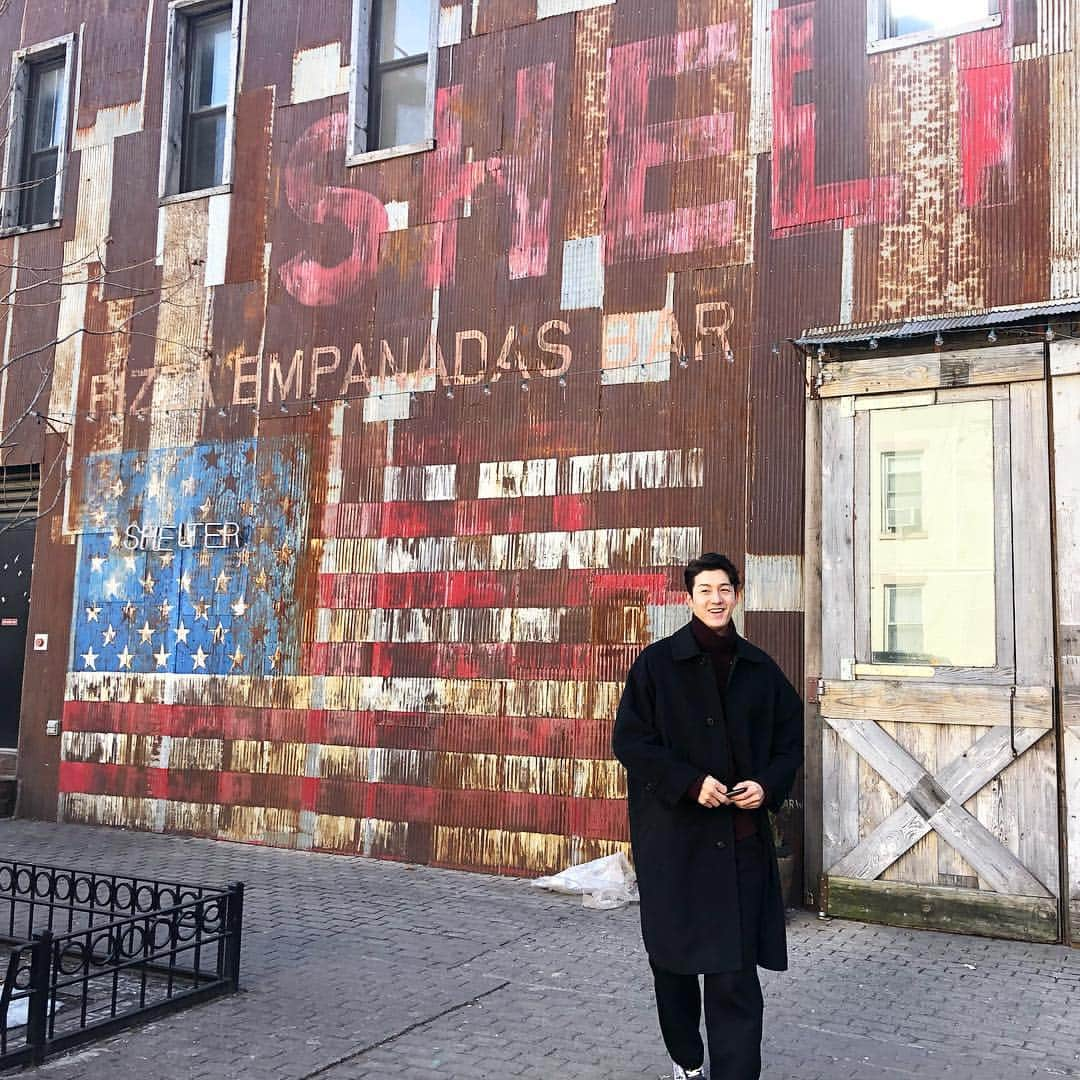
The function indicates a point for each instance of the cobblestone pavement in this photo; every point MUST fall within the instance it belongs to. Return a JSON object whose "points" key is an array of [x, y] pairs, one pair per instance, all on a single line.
{"points": [[359, 969]]}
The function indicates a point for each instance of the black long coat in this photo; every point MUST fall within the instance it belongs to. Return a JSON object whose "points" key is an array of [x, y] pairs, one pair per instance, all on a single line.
{"points": [[668, 732]]}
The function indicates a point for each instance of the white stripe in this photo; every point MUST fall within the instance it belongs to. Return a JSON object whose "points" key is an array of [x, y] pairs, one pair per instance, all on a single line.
{"points": [[585, 550], [419, 483], [773, 583], [475, 697], [414, 625], [517, 479], [636, 470]]}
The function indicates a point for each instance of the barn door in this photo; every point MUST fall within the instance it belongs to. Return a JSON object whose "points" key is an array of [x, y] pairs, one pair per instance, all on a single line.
{"points": [[939, 768]]}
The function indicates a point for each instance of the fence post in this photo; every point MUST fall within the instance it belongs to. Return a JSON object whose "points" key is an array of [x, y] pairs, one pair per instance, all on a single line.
{"points": [[235, 919], [40, 982]]}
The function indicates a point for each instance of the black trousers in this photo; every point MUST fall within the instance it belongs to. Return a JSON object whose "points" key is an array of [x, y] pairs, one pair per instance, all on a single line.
{"points": [[733, 1001]]}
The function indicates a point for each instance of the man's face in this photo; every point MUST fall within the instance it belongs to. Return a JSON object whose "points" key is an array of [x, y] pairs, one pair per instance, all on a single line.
{"points": [[714, 598]]}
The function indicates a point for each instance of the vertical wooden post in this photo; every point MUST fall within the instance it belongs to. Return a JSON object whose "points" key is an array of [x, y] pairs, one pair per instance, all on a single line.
{"points": [[812, 769]]}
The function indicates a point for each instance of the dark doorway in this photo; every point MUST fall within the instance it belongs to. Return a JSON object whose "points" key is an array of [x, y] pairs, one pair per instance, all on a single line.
{"points": [[18, 513]]}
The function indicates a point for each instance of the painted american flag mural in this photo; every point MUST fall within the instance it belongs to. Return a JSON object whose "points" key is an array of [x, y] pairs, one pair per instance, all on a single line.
{"points": [[429, 674]]}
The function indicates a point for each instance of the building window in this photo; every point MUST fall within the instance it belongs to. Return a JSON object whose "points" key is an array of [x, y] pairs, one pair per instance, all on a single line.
{"points": [[393, 99], [901, 492], [904, 621], [199, 96], [900, 22], [37, 143]]}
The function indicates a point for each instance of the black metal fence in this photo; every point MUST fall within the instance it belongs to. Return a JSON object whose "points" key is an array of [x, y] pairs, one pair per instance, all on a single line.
{"points": [[89, 953]]}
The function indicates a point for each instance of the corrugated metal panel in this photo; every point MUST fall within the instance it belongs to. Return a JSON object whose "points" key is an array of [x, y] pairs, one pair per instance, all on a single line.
{"points": [[931, 324], [475, 407]]}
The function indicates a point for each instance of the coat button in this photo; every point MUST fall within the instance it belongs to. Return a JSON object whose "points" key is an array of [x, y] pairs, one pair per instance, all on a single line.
{"points": [[721, 844], [710, 722]]}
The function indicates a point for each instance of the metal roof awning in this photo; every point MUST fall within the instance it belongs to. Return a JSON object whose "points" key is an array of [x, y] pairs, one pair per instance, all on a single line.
{"points": [[837, 335]]}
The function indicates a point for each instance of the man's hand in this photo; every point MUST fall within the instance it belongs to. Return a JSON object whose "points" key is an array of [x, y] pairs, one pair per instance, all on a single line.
{"points": [[712, 793], [753, 795]]}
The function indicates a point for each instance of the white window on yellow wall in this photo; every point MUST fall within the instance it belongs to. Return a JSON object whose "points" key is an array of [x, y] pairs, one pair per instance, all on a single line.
{"points": [[392, 100], [904, 621], [901, 491], [895, 23], [932, 535]]}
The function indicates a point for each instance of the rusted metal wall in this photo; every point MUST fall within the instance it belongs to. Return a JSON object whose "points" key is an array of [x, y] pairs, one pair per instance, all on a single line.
{"points": [[474, 407]]}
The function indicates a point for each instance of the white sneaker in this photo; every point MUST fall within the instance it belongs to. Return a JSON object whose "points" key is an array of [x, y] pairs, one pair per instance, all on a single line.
{"points": [[679, 1073]]}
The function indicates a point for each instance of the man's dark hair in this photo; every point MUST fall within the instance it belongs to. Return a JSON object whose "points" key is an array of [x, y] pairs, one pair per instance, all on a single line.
{"points": [[710, 560]]}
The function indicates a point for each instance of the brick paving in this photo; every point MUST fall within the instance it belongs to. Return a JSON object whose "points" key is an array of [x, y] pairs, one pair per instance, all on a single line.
{"points": [[358, 969]]}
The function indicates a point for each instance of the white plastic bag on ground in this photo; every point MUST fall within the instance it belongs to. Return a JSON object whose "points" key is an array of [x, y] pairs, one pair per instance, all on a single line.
{"points": [[603, 884]]}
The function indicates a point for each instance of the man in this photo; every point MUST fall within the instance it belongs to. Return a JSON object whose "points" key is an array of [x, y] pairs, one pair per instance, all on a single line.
{"points": [[710, 733]]}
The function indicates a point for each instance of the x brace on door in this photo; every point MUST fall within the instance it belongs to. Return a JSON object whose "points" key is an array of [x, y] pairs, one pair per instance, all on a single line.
{"points": [[936, 803]]}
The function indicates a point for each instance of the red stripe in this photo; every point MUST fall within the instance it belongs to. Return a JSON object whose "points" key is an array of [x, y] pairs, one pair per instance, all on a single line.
{"points": [[528, 660], [530, 736], [513, 811], [486, 588], [199, 722], [203, 788]]}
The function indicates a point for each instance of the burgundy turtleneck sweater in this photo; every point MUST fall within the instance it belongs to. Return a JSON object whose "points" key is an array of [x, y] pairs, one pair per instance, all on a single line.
{"points": [[719, 646]]}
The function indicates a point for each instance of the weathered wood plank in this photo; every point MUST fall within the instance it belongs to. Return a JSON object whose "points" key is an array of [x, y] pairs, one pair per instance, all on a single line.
{"points": [[813, 837], [958, 911], [928, 371], [918, 865], [878, 749], [1032, 579], [1072, 802], [1066, 398], [861, 558], [1065, 357], [995, 864], [837, 537], [840, 797], [1004, 610], [963, 777], [959, 743], [936, 703], [1037, 777]]}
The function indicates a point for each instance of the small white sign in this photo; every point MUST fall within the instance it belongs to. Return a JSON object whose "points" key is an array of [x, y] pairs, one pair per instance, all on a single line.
{"points": [[41, 642], [52, 727]]}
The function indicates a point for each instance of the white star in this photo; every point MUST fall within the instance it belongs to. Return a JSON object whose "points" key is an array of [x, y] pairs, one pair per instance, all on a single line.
{"points": [[129, 563], [92, 613], [162, 657], [97, 562], [219, 633], [145, 632], [90, 658], [185, 582], [182, 632], [148, 583], [124, 659], [166, 609], [108, 636], [198, 659], [187, 485], [112, 587], [239, 607]]}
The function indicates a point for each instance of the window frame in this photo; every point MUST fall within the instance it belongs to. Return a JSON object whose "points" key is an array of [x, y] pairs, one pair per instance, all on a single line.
{"points": [[1003, 672], [174, 108], [878, 38], [891, 529], [22, 63], [360, 88]]}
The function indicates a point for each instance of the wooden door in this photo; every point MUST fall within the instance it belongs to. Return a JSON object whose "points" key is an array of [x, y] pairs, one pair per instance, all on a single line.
{"points": [[939, 760]]}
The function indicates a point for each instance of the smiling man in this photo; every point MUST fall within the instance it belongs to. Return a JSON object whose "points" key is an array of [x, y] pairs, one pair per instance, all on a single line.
{"points": [[710, 733]]}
